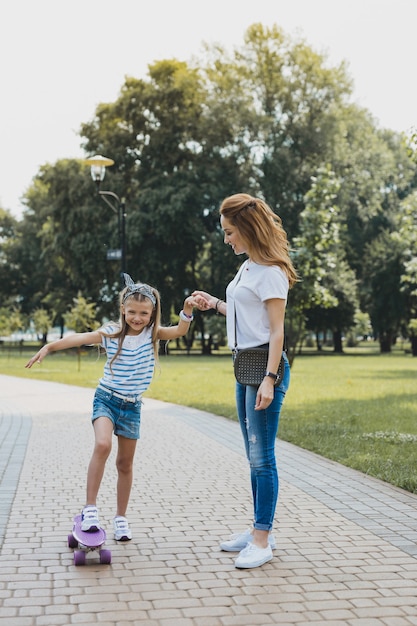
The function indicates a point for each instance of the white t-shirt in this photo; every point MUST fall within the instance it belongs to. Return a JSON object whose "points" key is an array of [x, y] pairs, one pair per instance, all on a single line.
{"points": [[248, 291]]}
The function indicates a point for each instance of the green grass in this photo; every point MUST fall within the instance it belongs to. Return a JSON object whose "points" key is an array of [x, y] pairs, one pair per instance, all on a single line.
{"points": [[359, 409]]}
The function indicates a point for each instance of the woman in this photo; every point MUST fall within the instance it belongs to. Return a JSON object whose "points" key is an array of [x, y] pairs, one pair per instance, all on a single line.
{"points": [[255, 310]]}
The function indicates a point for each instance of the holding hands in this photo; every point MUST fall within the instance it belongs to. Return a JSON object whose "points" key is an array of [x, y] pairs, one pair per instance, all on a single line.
{"points": [[189, 304], [204, 301]]}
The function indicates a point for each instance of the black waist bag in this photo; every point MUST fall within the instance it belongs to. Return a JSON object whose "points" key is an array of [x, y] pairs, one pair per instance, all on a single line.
{"points": [[250, 366]]}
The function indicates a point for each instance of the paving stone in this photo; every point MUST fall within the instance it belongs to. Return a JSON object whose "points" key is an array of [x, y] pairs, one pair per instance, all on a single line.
{"points": [[346, 543]]}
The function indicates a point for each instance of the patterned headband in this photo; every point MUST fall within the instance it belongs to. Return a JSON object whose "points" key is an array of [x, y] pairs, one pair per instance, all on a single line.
{"points": [[141, 288]]}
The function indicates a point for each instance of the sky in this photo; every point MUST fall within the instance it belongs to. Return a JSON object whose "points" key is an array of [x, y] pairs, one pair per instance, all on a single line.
{"points": [[59, 60]]}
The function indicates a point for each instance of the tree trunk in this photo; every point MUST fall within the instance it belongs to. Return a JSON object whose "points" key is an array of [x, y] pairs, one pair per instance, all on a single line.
{"points": [[385, 342], [337, 342], [205, 345]]}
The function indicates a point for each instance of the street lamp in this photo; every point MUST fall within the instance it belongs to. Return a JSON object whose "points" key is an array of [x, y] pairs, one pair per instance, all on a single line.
{"points": [[98, 166]]}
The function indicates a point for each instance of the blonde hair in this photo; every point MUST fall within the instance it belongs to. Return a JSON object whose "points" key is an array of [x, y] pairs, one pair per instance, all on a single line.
{"points": [[155, 320], [261, 230]]}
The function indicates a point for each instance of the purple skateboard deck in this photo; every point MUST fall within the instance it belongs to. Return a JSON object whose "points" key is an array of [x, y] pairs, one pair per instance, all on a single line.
{"points": [[84, 542]]}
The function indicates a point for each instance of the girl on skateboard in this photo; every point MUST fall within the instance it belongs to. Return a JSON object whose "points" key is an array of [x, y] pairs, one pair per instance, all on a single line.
{"points": [[131, 346]]}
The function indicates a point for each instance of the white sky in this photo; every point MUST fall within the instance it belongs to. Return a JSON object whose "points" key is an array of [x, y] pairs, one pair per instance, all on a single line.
{"points": [[58, 60]]}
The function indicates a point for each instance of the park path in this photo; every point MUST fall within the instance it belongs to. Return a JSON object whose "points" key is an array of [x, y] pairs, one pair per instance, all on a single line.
{"points": [[346, 543]]}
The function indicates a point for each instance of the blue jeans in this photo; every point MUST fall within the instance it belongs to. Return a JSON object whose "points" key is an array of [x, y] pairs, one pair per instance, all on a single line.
{"points": [[259, 430]]}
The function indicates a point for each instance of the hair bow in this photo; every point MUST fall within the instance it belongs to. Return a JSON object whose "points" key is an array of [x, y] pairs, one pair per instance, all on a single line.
{"points": [[141, 288]]}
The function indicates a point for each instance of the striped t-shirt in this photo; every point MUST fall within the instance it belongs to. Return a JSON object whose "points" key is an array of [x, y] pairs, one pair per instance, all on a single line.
{"points": [[131, 372]]}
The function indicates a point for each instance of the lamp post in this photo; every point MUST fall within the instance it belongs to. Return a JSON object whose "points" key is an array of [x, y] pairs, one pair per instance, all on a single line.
{"points": [[98, 166]]}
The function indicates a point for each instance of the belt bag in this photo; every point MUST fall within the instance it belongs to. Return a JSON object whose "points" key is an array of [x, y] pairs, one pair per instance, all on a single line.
{"points": [[250, 366]]}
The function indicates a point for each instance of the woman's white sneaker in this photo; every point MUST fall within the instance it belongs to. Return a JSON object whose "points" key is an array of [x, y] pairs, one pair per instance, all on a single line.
{"points": [[121, 528], [253, 556], [238, 542]]}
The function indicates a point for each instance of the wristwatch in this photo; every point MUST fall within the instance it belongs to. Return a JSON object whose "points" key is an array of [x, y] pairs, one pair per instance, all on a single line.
{"points": [[272, 375]]}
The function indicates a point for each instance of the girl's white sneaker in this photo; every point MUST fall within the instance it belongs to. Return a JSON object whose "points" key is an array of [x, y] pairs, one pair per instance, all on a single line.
{"points": [[121, 528], [89, 519]]}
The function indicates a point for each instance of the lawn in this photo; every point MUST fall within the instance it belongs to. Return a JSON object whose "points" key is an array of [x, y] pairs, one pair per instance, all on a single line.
{"points": [[359, 409]]}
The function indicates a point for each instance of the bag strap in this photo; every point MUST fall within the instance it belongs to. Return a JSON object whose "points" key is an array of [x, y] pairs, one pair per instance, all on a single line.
{"points": [[234, 305]]}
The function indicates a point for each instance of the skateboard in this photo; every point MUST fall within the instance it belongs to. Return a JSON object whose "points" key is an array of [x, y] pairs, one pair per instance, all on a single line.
{"points": [[84, 542]]}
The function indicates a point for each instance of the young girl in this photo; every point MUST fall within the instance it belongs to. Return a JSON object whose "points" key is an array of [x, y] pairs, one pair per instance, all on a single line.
{"points": [[131, 346]]}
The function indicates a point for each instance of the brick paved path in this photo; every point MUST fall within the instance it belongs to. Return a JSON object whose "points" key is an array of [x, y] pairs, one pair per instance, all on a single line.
{"points": [[346, 550]]}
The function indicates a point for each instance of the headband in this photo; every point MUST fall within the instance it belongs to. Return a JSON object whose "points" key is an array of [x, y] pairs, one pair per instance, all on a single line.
{"points": [[141, 288]]}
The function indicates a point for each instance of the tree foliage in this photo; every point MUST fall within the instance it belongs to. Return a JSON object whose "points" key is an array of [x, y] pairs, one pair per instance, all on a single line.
{"points": [[271, 118], [42, 323], [81, 318]]}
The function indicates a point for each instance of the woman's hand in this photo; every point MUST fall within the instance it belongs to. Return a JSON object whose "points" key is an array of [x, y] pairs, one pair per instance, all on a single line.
{"points": [[265, 394], [204, 300]]}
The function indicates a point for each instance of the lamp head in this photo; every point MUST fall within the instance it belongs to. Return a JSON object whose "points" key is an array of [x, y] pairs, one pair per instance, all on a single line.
{"points": [[98, 166]]}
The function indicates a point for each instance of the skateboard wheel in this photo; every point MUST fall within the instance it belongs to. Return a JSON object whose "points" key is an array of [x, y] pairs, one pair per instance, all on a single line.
{"points": [[72, 542], [79, 557], [105, 557]]}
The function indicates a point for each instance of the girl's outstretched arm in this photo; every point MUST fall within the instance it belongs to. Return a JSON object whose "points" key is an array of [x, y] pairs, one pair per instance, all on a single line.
{"points": [[181, 329], [72, 341]]}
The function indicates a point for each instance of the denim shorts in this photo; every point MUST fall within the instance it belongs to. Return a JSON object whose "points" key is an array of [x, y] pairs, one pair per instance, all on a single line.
{"points": [[124, 415]]}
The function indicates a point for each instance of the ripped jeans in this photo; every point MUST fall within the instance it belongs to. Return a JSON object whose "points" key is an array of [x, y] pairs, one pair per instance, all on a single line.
{"points": [[259, 430]]}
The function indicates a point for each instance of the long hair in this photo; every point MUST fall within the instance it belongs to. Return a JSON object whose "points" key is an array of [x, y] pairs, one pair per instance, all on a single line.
{"points": [[261, 230], [154, 322]]}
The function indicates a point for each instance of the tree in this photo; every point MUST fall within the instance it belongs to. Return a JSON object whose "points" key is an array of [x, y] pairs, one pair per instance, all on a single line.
{"points": [[11, 320], [412, 329], [157, 151], [407, 235], [326, 296], [81, 318], [282, 106], [262, 119], [60, 244], [383, 299], [389, 283], [42, 322], [362, 329], [9, 272]]}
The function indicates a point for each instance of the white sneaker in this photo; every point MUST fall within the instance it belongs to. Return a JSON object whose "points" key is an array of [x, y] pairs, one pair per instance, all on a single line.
{"points": [[253, 556], [89, 519], [237, 542], [122, 531]]}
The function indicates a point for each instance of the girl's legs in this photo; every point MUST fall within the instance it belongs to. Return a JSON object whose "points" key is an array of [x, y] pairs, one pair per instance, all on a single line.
{"points": [[123, 419], [124, 465], [103, 432]]}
